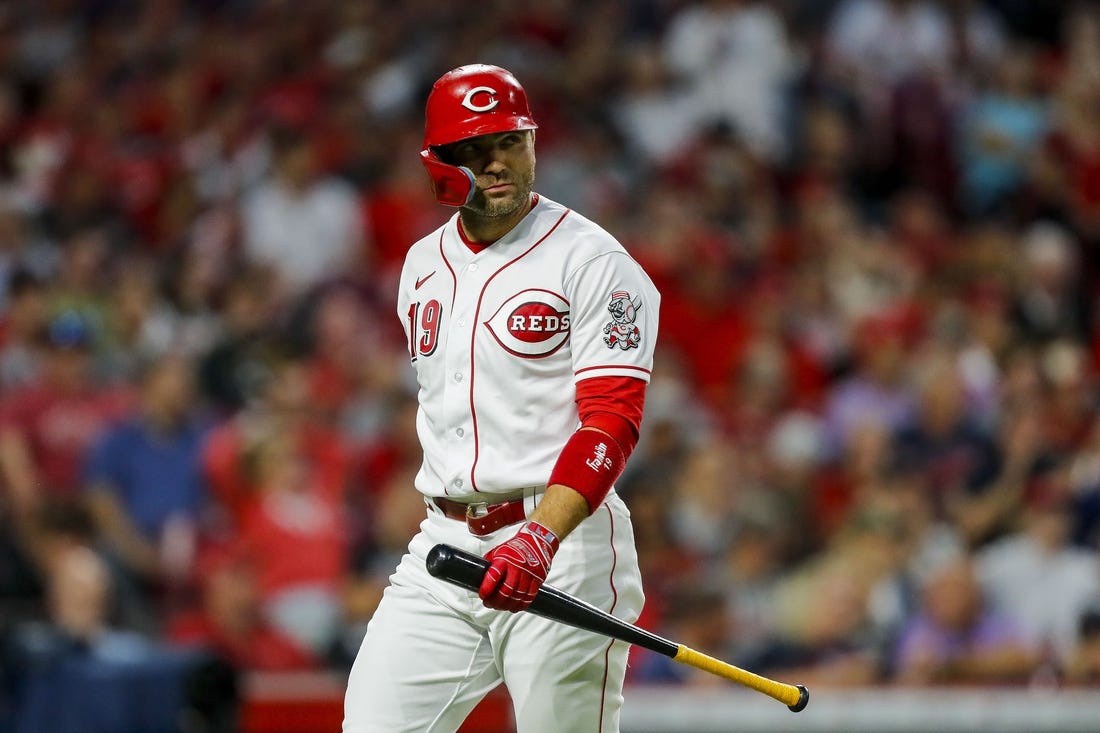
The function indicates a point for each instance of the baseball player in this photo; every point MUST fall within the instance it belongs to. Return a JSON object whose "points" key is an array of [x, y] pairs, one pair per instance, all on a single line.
{"points": [[531, 331]]}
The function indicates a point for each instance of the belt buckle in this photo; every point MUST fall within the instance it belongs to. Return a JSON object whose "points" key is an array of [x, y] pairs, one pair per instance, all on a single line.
{"points": [[477, 509]]}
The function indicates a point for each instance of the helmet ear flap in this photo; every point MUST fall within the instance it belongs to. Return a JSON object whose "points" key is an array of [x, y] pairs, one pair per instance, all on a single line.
{"points": [[453, 185]]}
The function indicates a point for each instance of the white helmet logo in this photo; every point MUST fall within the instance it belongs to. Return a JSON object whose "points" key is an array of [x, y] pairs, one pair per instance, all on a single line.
{"points": [[468, 100]]}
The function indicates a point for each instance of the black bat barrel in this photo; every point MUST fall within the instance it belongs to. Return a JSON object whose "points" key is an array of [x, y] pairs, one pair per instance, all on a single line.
{"points": [[466, 570]]}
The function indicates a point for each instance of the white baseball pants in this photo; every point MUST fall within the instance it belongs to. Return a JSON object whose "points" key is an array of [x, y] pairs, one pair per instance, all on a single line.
{"points": [[432, 650]]}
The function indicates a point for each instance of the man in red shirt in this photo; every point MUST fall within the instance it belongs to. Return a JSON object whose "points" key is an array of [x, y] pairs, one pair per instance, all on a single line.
{"points": [[46, 428]]}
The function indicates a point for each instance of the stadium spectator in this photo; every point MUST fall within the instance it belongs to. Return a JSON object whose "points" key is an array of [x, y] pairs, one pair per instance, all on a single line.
{"points": [[1083, 668], [653, 109], [282, 405], [139, 325], [98, 668], [705, 495], [229, 621], [956, 457], [884, 42], [824, 625], [194, 278], [1069, 157], [735, 58], [999, 132], [21, 330], [31, 549], [924, 542], [301, 222], [1051, 299], [844, 480], [338, 341], [1022, 572], [957, 638], [752, 566], [231, 371], [294, 535], [877, 391], [143, 478], [47, 428], [1069, 396]]}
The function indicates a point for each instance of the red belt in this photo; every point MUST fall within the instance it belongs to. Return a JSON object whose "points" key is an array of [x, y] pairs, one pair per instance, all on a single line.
{"points": [[482, 518]]}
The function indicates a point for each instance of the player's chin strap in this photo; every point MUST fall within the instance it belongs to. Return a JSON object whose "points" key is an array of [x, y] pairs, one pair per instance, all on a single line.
{"points": [[453, 185]]}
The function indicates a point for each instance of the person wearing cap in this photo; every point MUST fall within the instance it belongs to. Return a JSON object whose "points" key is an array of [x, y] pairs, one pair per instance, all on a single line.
{"points": [[47, 427], [531, 332]]}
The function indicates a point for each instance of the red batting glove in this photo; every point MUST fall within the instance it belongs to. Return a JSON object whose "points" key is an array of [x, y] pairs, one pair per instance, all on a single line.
{"points": [[518, 568]]}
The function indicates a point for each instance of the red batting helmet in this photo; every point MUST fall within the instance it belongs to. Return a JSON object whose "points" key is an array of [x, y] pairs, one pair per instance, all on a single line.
{"points": [[473, 100]]}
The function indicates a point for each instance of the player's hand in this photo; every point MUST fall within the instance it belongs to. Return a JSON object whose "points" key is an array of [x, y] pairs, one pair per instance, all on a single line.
{"points": [[518, 568]]}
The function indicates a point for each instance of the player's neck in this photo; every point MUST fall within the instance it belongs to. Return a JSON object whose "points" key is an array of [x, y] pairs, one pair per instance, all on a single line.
{"points": [[478, 230]]}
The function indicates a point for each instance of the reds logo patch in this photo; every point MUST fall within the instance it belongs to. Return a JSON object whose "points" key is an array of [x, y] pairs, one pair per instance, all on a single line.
{"points": [[531, 324], [469, 103], [621, 331]]}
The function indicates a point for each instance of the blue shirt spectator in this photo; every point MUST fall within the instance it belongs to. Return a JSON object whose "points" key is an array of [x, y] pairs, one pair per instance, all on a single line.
{"points": [[1000, 129], [155, 475], [144, 476]]}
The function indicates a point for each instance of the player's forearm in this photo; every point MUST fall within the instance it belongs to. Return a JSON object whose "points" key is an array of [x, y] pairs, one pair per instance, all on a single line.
{"points": [[560, 510], [589, 464]]}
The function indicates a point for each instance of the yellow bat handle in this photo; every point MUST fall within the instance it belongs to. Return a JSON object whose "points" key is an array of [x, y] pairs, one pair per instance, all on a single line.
{"points": [[794, 696]]}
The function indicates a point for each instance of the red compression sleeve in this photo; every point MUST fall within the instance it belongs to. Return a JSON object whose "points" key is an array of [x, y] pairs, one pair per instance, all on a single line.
{"points": [[613, 405], [592, 460]]}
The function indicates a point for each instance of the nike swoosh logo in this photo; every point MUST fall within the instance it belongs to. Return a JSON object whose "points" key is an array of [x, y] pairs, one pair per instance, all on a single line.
{"points": [[421, 280]]}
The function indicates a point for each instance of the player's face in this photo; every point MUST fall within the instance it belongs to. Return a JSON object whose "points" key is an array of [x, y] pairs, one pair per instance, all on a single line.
{"points": [[504, 164]]}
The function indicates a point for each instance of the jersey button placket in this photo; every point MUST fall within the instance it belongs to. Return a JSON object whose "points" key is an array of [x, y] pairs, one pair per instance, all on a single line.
{"points": [[457, 360]]}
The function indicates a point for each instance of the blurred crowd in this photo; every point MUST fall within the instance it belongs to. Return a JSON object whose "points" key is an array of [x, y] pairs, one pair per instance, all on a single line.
{"points": [[871, 450]]}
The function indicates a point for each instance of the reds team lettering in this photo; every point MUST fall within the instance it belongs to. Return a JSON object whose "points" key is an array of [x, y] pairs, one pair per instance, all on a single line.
{"points": [[531, 324], [531, 319]]}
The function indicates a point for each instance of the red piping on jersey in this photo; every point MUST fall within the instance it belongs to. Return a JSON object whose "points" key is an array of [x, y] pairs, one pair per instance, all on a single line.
{"points": [[454, 294], [473, 338], [614, 366], [454, 278], [614, 602]]}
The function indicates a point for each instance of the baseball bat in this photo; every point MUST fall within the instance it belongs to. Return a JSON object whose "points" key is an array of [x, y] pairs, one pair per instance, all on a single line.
{"points": [[466, 570]]}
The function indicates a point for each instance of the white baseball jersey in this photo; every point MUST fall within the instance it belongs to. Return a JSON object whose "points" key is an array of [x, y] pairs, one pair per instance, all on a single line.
{"points": [[499, 338]]}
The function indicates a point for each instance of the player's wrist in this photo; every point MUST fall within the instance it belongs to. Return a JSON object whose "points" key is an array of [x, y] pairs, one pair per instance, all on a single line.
{"points": [[543, 537], [561, 510]]}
